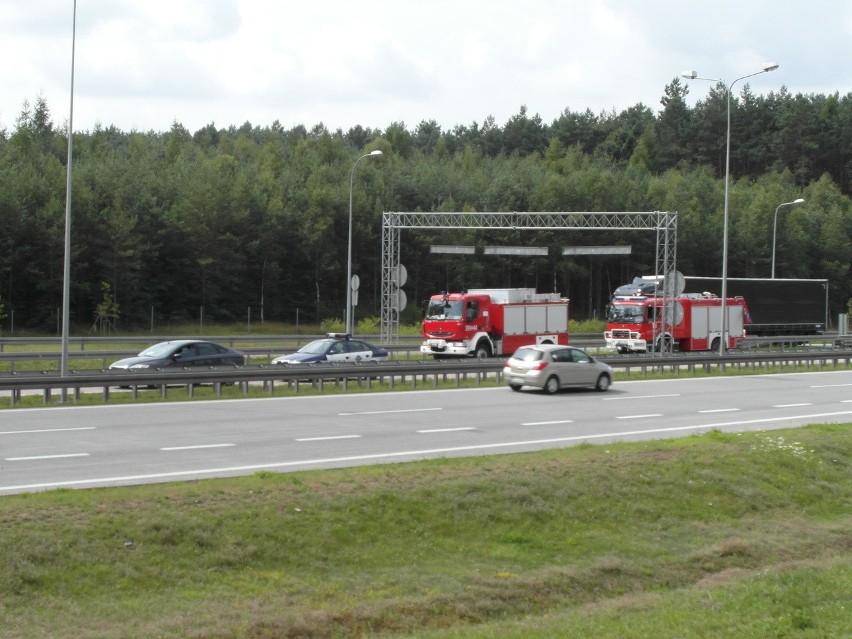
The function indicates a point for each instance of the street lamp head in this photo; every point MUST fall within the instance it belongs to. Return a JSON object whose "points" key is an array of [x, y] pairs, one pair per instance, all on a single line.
{"points": [[690, 75], [376, 152], [799, 201], [770, 67]]}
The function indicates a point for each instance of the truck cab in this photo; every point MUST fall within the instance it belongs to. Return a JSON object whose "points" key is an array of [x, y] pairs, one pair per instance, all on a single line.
{"points": [[451, 323]]}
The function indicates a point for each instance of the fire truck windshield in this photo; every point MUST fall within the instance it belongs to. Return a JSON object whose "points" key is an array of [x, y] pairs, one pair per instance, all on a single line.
{"points": [[444, 310], [623, 314]]}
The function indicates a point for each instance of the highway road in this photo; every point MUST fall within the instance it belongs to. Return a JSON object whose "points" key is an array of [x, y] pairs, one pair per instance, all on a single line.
{"points": [[83, 447]]}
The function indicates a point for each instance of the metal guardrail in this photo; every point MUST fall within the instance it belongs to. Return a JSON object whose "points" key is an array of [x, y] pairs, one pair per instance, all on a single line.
{"points": [[314, 375], [392, 372]]}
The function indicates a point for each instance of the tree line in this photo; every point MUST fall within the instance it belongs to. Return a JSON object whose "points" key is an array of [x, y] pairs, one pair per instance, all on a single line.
{"points": [[251, 222]]}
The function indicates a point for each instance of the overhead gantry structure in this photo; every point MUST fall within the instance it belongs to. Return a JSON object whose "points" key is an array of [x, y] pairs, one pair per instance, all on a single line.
{"points": [[664, 223]]}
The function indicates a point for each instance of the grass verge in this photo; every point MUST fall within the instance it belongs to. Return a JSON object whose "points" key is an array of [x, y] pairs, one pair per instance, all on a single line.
{"points": [[720, 535]]}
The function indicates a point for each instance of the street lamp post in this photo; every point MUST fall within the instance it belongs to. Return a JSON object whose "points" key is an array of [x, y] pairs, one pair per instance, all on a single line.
{"points": [[349, 251], [66, 269], [775, 228], [693, 75]]}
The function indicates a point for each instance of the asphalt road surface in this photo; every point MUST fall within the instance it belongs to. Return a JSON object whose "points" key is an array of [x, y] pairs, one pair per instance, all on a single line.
{"points": [[82, 447]]}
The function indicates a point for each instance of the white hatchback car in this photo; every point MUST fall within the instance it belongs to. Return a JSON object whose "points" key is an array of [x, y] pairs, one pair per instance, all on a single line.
{"points": [[553, 366]]}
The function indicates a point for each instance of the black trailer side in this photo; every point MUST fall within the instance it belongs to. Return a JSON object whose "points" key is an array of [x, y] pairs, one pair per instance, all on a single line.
{"points": [[777, 306]]}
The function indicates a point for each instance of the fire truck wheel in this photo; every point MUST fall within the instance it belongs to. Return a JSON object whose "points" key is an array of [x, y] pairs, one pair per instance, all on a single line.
{"points": [[482, 351], [603, 383], [714, 345], [551, 385]]}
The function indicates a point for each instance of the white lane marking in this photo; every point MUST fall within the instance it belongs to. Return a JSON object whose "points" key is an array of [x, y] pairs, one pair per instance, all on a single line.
{"points": [[406, 453], [322, 439], [445, 430], [561, 421], [34, 457], [44, 430], [638, 416], [197, 446], [719, 410], [388, 412], [846, 401], [830, 385], [792, 405], [618, 399]]}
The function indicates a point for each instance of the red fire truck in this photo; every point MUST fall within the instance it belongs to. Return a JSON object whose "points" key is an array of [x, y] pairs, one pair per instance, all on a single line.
{"points": [[485, 322], [693, 322]]}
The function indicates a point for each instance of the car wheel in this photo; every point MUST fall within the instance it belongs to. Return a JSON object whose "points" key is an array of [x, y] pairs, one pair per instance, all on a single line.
{"points": [[603, 383], [551, 385], [515, 387]]}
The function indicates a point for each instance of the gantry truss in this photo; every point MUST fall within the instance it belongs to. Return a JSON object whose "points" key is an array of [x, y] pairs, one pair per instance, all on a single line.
{"points": [[663, 222]]}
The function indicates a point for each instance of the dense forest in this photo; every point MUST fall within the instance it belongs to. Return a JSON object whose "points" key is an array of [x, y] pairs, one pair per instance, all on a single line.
{"points": [[249, 223]]}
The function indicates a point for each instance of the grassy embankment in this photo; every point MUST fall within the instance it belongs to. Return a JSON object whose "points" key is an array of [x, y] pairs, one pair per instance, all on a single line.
{"points": [[713, 536]]}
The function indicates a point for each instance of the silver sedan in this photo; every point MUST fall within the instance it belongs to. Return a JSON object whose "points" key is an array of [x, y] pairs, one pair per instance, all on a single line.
{"points": [[553, 366]]}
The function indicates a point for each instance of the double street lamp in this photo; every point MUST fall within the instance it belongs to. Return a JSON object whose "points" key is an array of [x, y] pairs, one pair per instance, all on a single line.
{"points": [[693, 75], [349, 283], [775, 227]]}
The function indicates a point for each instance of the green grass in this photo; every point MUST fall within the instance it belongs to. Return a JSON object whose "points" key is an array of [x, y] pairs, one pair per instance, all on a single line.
{"points": [[713, 536]]}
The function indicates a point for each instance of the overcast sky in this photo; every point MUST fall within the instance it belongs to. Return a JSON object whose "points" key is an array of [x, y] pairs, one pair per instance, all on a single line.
{"points": [[144, 64]]}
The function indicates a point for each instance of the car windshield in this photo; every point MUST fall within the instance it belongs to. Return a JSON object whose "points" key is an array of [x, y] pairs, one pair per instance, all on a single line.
{"points": [[624, 314], [527, 354], [317, 347], [445, 310], [163, 349]]}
